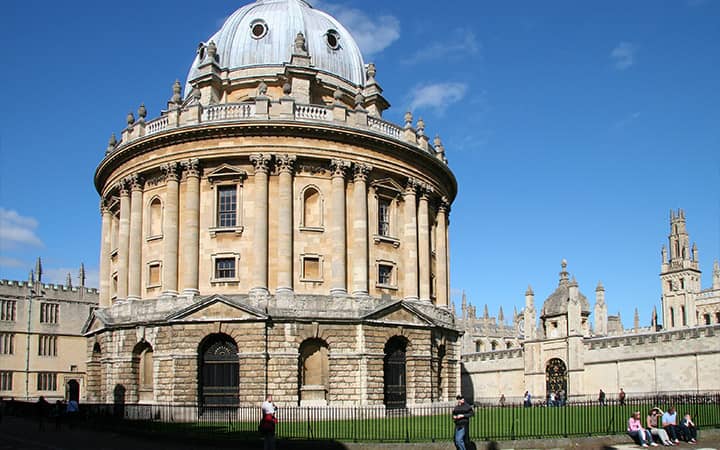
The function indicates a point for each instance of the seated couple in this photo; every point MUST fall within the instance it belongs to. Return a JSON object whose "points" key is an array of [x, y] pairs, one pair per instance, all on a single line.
{"points": [[667, 434], [685, 430]]}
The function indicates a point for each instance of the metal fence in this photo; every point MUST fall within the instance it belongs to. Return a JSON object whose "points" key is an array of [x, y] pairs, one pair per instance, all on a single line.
{"points": [[427, 423]]}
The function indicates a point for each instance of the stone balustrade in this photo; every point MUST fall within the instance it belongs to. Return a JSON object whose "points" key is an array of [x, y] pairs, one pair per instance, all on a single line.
{"points": [[264, 109]]}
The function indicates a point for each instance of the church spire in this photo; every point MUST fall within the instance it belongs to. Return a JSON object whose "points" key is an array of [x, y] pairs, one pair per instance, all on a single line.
{"points": [[716, 275]]}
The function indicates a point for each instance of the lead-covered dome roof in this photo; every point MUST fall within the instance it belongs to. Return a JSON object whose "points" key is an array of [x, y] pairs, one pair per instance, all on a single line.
{"points": [[557, 303], [263, 33]]}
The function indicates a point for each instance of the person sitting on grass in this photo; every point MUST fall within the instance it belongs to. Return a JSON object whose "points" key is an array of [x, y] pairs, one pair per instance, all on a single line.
{"points": [[669, 423], [652, 425], [636, 431], [688, 430]]}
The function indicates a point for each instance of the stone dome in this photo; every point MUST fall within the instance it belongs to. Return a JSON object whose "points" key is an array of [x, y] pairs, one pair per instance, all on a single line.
{"points": [[557, 303], [263, 34]]}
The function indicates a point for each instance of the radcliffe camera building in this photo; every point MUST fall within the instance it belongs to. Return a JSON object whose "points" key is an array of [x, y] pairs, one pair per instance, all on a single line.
{"points": [[270, 232]]}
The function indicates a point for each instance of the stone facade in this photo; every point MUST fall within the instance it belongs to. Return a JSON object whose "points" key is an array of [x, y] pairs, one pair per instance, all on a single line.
{"points": [[682, 354], [42, 349], [270, 211]]}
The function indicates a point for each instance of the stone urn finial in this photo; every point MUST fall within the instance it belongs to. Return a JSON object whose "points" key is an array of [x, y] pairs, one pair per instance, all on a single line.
{"points": [[300, 44], [142, 111], [287, 88], [420, 126], [212, 51], [176, 98], [371, 71], [262, 89], [130, 118], [408, 119], [112, 143]]}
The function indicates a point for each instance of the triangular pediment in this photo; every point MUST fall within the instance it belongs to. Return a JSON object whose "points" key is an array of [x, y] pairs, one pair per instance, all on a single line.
{"points": [[387, 186], [217, 308], [399, 313], [93, 324], [226, 172]]}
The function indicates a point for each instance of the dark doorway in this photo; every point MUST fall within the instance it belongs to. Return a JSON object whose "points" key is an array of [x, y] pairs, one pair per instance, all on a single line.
{"points": [[394, 373], [218, 368], [73, 390], [556, 377]]}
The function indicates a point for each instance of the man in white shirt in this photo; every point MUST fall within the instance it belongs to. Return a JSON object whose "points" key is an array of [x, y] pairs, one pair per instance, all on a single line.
{"points": [[268, 407], [669, 423]]}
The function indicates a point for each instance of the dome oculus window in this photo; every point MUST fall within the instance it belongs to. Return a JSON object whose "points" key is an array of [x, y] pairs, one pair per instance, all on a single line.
{"points": [[332, 38], [258, 29]]}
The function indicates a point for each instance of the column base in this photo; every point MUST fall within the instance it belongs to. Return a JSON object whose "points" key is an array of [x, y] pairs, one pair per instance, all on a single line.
{"points": [[338, 292], [191, 292], [169, 293], [411, 298], [360, 294], [259, 291], [132, 298]]}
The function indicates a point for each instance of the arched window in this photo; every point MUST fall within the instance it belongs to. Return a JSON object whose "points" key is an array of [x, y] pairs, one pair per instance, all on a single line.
{"points": [[154, 227], [508, 344], [218, 371], [144, 371], [312, 208], [314, 366], [672, 316], [494, 345], [394, 374], [684, 315], [478, 346]]}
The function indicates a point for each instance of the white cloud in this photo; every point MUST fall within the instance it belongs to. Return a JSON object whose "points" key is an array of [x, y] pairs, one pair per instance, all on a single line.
{"points": [[623, 55], [11, 262], [372, 34], [17, 230], [463, 44], [437, 96]]}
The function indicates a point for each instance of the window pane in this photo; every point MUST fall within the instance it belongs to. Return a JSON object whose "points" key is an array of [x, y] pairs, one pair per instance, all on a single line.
{"points": [[383, 217], [225, 268], [227, 206], [384, 274]]}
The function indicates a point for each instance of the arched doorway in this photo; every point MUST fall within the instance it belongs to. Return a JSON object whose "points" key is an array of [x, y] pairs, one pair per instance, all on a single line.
{"points": [[395, 396], [556, 377], [218, 371], [313, 372], [73, 390]]}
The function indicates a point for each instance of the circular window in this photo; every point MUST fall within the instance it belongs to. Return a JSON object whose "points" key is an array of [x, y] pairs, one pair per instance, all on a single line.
{"points": [[333, 39], [258, 29]]}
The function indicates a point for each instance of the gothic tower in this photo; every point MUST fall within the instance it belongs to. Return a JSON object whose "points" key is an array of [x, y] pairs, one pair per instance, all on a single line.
{"points": [[680, 276]]}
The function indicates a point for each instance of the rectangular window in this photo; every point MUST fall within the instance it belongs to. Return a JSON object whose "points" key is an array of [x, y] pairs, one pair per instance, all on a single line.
{"points": [[49, 312], [46, 381], [311, 268], [707, 319], [7, 344], [7, 310], [154, 274], [226, 205], [383, 217], [224, 268], [47, 345], [385, 274], [6, 379]]}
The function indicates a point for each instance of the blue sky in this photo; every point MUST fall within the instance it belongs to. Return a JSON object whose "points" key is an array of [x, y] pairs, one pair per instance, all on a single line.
{"points": [[572, 127]]}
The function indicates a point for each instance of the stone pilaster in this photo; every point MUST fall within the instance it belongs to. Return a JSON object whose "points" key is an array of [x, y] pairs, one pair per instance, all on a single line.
{"points": [[170, 229], [191, 228], [104, 300], [338, 283], [360, 231], [261, 164], [442, 254], [424, 243], [286, 165], [410, 242], [123, 240], [135, 240]]}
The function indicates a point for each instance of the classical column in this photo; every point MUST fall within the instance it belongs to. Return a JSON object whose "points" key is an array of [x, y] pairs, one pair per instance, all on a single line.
{"points": [[337, 227], [104, 299], [123, 240], [261, 163], [285, 164], [360, 231], [424, 242], [442, 254], [170, 229], [409, 242], [191, 228], [135, 240]]}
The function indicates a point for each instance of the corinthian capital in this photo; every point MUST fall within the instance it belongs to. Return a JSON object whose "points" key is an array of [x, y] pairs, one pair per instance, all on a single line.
{"points": [[411, 187], [424, 189], [285, 163], [339, 167], [122, 187], [443, 205], [261, 162], [191, 167], [135, 182], [361, 171], [171, 171]]}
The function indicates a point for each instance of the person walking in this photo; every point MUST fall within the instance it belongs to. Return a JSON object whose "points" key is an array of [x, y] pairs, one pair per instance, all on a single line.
{"points": [[461, 415], [267, 422], [621, 397], [601, 398]]}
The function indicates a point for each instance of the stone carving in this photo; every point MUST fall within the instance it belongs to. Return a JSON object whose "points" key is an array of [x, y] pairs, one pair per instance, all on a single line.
{"points": [[122, 187], [285, 163], [411, 187], [300, 44], [420, 127], [337, 95], [287, 88], [262, 89], [191, 167], [142, 112], [135, 182], [260, 162], [171, 171], [311, 168], [371, 71], [130, 119], [361, 171], [112, 143], [359, 101], [176, 97], [212, 52], [339, 167], [408, 120]]}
